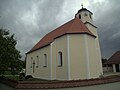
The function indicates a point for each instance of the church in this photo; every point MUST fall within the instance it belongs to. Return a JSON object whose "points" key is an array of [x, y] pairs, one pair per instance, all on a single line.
{"points": [[70, 52]]}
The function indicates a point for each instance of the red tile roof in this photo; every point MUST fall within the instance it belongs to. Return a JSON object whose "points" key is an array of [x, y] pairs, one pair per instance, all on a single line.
{"points": [[75, 26], [114, 59]]}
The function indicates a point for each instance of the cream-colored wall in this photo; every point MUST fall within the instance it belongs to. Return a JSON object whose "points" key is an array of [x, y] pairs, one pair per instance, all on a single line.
{"points": [[40, 72], [80, 67], [94, 31], [77, 57], [57, 72], [93, 60], [59, 45], [28, 65], [97, 45]]}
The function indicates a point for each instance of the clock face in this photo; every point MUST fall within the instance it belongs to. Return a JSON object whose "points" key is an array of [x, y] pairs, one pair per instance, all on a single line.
{"points": [[85, 14]]}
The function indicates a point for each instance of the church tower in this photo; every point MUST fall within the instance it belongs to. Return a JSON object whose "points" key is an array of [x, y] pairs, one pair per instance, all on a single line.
{"points": [[86, 17]]}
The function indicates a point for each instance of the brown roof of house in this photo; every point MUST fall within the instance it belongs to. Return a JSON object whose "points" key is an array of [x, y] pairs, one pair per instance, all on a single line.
{"points": [[75, 26], [114, 59]]}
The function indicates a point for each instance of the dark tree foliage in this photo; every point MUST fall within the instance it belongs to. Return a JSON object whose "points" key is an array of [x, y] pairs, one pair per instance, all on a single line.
{"points": [[103, 61], [9, 55]]}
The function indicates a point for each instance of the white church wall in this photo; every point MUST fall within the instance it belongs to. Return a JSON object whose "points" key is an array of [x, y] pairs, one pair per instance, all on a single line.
{"points": [[92, 29], [77, 57], [60, 45], [93, 60], [97, 46], [28, 65], [41, 71]]}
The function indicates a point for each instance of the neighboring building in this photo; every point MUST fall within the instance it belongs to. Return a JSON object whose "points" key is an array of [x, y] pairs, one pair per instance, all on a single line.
{"points": [[114, 61], [69, 52]]}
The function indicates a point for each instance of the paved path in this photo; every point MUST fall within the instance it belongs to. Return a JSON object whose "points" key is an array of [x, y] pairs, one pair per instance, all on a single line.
{"points": [[111, 73]]}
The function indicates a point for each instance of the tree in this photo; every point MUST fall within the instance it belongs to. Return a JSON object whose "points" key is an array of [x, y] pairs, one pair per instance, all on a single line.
{"points": [[103, 61], [9, 55]]}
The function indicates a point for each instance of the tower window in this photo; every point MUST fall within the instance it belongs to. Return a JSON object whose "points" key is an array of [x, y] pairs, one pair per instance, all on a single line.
{"points": [[79, 16], [60, 62], [90, 15], [45, 60]]}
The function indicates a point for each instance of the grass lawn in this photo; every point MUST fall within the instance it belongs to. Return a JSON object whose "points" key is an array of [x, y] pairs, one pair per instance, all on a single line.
{"points": [[12, 77], [8, 75]]}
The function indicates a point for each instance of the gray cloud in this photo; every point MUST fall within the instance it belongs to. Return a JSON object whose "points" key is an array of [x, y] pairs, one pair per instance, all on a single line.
{"points": [[30, 20], [108, 22]]}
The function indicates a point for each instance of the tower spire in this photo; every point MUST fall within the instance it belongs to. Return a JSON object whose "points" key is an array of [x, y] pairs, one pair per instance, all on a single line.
{"points": [[82, 5]]}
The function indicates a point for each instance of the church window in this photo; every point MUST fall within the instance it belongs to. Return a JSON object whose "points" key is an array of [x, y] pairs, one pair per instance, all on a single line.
{"points": [[31, 61], [60, 58], [90, 15], [37, 62], [45, 60], [79, 16]]}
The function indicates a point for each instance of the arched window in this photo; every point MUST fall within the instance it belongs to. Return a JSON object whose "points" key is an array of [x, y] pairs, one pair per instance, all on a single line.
{"points": [[60, 58], [31, 62], [90, 16], [79, 16], [45, 60], [37, 64]]}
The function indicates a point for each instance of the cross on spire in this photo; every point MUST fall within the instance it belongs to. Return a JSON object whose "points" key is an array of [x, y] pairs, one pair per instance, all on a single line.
{"points": [[82, 5]]}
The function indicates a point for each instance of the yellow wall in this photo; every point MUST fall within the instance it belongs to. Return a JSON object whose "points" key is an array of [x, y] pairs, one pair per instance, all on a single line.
{"points": [[78, 67], [98, 52], [59, 45], [78, 63], [57, 72], [77, 57], [93, 60], [40, 72]]}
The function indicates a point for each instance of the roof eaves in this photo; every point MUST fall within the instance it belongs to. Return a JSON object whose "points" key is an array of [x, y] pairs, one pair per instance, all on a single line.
{"points": [[38, 48], [76, 33], [84, 9], [90, 24]]}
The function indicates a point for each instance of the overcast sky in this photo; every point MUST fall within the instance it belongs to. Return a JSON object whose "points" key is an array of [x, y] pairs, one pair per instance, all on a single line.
{"points": [[30, 20]]}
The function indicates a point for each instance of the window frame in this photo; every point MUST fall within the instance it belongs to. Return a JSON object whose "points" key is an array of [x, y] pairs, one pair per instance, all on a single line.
{"points": [[60, 59], [37, 62], [79, 16], [45, 60], [31, 62], [90, 16]]}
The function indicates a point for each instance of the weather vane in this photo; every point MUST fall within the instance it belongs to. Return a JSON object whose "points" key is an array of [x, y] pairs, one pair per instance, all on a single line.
{"points": [[82, 5]]}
